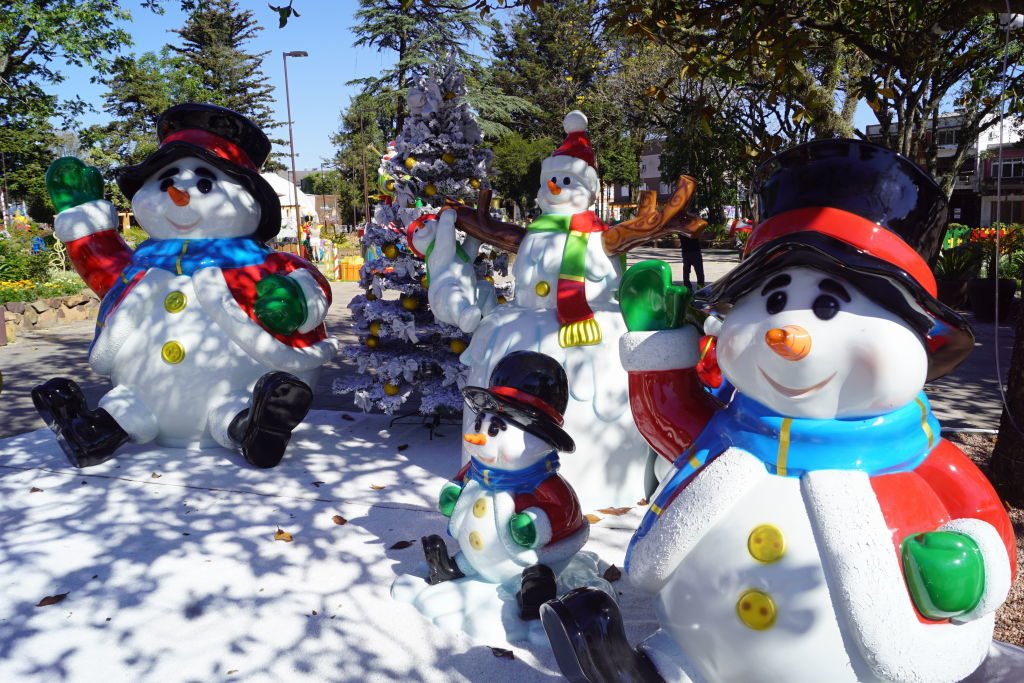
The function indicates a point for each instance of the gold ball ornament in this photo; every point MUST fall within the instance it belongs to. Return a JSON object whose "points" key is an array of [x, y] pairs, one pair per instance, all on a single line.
{"points": [[390, 389], [502, 300], [372, 342], [457, 345], [390, 185], [488, 278], [375, 328], [390, 250], [450, 95], [410, 162], [448, 158], [430, 190], [410, 303], [424, 281], [474, 183]]}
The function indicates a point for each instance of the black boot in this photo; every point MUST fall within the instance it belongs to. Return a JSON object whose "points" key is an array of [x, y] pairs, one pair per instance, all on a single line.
{"points": [[586, 634], [440, 565], [87, 437], [280, 401], [536, 588], [59, 401], [91, 438]]}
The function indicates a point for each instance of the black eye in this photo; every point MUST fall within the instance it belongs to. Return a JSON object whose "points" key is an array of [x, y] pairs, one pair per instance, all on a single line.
{"points": [[776, 302], [825, 307], [204, 185], [166, 184], [493, 430], [566, 180]]}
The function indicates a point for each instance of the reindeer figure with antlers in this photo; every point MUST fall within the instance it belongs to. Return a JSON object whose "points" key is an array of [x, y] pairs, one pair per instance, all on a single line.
{"points": [[567, 270]]}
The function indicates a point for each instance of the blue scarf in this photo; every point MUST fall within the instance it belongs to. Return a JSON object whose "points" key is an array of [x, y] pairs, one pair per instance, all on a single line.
{"points": [[526, 480], [182, 257], [790, 447]]}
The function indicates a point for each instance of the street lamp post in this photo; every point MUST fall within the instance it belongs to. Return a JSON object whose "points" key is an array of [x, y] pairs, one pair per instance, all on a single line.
{"points": [[291, 139]]}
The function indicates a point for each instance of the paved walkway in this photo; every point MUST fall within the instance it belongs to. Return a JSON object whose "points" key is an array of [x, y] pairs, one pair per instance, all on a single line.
{"points": [[967, 398]]}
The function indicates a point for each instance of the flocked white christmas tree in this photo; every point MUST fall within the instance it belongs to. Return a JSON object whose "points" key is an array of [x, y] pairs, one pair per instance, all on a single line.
{"points": [[403, 350]]}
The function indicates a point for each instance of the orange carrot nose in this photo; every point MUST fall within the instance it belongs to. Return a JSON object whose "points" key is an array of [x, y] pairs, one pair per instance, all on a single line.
{"points": [[475, 439], [555, 189], [179, 197], [792, 342]]}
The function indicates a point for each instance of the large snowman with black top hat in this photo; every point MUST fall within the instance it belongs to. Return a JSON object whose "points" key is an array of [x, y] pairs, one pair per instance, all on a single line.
{"points": [[518, 523], [209, 336], [818, 527]]}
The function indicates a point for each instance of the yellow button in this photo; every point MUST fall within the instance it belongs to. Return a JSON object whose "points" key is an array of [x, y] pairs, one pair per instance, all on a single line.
{"points": [[766, 543], [756, 610], [175, 302], [480, 508], [542, 288], [173, 352], [475, 541]]}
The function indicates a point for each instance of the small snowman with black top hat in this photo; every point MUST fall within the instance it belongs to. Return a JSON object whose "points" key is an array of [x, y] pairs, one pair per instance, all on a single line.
{"points": [[518, 523], [209, 336], [817, 527]]}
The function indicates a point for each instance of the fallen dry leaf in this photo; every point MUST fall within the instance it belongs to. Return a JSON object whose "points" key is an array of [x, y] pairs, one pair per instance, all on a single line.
{"points": [[155, 475], [314, 613], [401, 545], [34, 489], [51, 600], [642, 502], [345, 416], [282, 535], [403, 447], [232, 671], [613, 573], [339, 520], [376, 487], [593, 519], [318, 484], [615, 511], [502, 653]]}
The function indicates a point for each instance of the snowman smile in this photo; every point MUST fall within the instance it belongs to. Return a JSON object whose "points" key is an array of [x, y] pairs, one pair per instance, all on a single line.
{"points": [[796, 393], [184, 226]]}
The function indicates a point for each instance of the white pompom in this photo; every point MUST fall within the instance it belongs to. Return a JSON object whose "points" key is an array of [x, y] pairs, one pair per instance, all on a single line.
{"points": [[575, 121]]}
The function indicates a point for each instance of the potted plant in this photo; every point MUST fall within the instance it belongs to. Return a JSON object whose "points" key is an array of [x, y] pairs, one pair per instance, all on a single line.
{"points": [[954, 270], [986, 290]]}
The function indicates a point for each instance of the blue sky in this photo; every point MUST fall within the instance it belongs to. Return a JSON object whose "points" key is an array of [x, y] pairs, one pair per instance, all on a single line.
{"points": [[316, 83]]}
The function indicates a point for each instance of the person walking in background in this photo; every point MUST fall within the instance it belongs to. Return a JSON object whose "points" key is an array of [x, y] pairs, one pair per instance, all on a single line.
{"points": [[692, 258]]}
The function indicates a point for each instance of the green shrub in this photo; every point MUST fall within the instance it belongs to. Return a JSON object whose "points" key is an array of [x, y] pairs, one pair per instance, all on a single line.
{"points": [[959, 263], [17, 262]]}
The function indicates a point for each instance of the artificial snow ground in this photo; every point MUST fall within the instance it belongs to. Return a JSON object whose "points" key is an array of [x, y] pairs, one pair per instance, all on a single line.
{"points": [[171, 570]]}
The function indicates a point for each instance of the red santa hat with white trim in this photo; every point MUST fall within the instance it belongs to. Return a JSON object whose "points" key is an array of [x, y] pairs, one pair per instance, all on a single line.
{"points": [[575, 156]]}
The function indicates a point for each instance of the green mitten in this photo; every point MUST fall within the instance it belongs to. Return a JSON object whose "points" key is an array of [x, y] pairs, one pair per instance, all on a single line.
{"points": [[449, 496], [70, 183], [649, 300], [523, 530], [280, 304], [945, 573]]}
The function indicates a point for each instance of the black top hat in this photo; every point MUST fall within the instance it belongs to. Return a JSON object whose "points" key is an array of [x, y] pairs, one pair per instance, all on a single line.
{"points": [[530, 390], [227, 140], [864, 212]]}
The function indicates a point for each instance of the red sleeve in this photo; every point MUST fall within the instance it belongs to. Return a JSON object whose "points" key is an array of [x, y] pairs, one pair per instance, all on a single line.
{"points": [[242, 283], [967, 493], [670, 408], [559, 502], [460, 477], [99, 259]]}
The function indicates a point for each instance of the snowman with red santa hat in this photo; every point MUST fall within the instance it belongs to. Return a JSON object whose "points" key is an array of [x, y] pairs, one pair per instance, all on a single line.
{"points": [[209, 336], [567, 269], [817, 527]]}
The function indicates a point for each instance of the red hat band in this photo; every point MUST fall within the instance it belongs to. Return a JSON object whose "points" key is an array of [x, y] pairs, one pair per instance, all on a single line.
{"points": [[530, 400], [215, 144], [852, 229]]}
